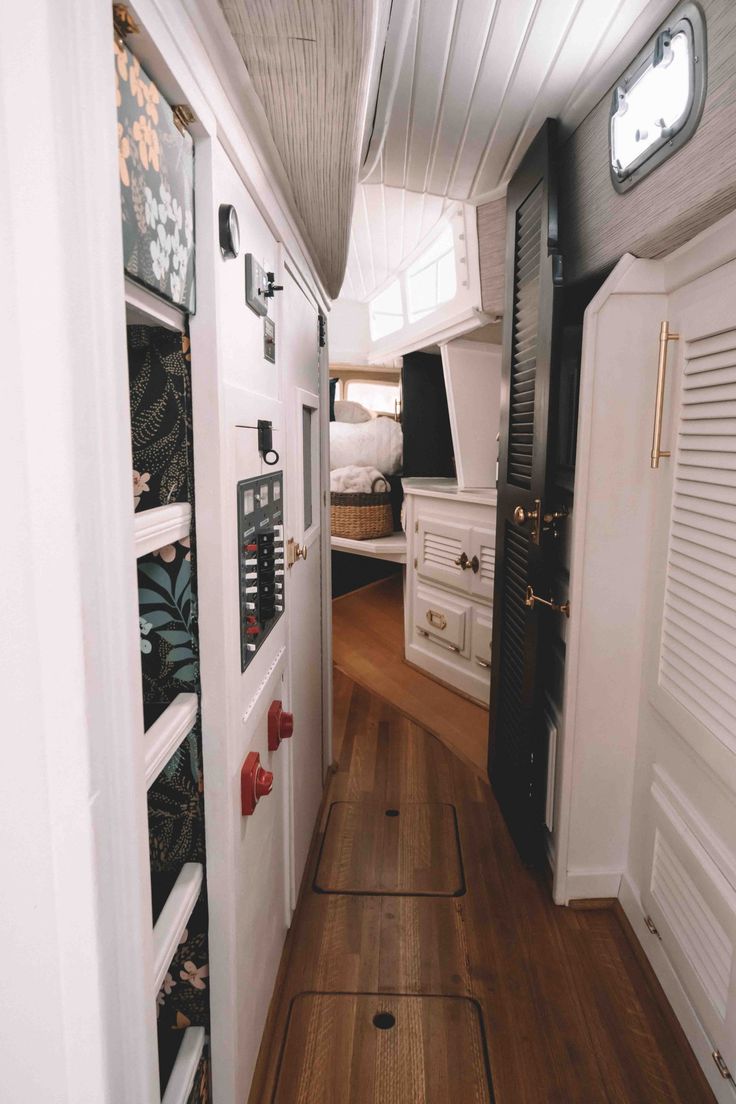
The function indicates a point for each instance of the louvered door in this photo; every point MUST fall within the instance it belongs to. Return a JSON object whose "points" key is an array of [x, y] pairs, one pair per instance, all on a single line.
{"points": [[691, 672], [440, 546], [517, 746]]}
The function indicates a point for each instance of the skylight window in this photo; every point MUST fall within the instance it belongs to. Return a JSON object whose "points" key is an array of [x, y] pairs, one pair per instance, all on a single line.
{"points": [[657, 104], [432, 279], [386, 312]]}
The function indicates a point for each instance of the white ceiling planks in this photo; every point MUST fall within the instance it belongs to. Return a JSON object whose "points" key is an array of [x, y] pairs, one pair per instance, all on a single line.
{"points": [[388, 225], [478, 77], [310, 62]]}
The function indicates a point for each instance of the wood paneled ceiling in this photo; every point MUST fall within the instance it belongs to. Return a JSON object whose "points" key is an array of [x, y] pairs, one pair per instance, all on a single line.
{"points": [[310, 62], [464, 87]]}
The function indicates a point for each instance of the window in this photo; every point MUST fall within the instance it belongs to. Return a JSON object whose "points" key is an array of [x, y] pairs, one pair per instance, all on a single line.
{"points": [[386, 312], [378, 396], [431, 280], [657, 104]]}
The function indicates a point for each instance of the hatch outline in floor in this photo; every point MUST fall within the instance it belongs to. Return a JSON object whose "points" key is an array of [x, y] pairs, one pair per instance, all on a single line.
{"points": [[459, 892], [385, 995]]}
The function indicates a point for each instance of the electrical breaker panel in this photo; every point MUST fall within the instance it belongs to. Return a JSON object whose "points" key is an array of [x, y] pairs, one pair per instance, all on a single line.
{"points": [[261, 557]]}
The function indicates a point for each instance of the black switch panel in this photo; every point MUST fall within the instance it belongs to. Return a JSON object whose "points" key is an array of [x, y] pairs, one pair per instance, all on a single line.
{"points": [[261, 559]]}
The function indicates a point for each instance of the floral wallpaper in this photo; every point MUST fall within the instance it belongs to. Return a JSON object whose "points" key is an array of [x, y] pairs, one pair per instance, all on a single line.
{"points": [[156, 167], [159, 369], [161, 423]]}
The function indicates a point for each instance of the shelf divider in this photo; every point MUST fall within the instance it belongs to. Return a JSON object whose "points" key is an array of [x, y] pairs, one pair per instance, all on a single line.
{"points": [[174, 917], [167, 732], [161, 526], [181, 1080]]}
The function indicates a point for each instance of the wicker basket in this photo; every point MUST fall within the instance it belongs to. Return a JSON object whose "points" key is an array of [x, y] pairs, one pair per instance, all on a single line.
{"points": [[361, 516]]}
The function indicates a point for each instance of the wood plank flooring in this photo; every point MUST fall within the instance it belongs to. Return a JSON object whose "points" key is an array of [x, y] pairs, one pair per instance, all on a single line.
{"points": [[368, 646], [568, 1013]]}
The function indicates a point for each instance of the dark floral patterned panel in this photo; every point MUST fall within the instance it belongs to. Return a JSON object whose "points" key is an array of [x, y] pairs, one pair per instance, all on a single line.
{"points": [[159, 370], [160, 393], [156, 163]]}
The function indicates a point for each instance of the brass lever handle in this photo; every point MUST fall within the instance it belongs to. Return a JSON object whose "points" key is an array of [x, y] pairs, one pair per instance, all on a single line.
{"points": [[664, 338], [530, 598]]}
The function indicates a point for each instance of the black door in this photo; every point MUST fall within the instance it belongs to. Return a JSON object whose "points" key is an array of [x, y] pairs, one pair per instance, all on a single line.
{"points": [[526, 525]]}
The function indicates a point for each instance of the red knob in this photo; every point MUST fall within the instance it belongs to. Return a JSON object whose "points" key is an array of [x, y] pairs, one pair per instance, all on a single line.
{"points": [[255, 782], [280, 725]]}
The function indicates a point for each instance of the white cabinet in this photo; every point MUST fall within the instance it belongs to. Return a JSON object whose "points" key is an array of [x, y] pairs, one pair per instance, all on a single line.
{"points": [[449, 592]]}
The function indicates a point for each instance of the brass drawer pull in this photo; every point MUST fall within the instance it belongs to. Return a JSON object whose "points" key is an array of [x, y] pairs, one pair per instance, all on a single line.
{"points": [[664, 338], [436, 619], [482, 663], [466, 564], [441, 643], [531, 598]]}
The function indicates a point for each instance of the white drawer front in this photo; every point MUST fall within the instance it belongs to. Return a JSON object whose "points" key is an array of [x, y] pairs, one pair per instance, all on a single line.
{"points": [[443, 619]]}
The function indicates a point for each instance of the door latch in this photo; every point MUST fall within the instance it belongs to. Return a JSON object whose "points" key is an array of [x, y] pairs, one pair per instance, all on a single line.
{"points": [[522, 516], [531, 598], [294, 552]]}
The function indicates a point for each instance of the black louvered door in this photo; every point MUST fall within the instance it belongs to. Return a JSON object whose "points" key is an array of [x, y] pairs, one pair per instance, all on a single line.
{"points": [[517, 746]]}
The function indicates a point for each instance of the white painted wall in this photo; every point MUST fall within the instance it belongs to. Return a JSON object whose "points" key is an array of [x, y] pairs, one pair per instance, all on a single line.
{"points": [[76, 1017], [472, 371], [350, 339]]}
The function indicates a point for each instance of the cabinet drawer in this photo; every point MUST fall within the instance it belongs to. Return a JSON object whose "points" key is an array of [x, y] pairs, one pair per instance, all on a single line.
{"points": [[443, 618]]}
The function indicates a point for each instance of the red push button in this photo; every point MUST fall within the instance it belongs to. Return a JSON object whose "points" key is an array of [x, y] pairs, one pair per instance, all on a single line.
{"points": [[255, 782], [280, 725]]}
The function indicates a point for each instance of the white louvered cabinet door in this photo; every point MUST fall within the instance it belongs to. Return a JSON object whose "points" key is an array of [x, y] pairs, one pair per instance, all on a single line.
{"points": [[692, 669], [483, 545], [690, 891], [440, 545]]}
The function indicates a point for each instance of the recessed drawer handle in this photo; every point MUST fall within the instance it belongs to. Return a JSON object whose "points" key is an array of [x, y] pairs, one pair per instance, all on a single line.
{"points": [[441, 643], [482, 662], [437, 620]]}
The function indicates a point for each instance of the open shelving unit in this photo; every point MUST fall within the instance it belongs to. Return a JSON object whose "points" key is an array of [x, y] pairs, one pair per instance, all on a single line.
{"points": [[391, 548]]}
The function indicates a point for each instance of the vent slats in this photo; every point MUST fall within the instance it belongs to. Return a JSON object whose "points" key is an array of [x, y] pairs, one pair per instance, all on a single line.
{"points": [[698, 649], [697, 930], [524, 339]]}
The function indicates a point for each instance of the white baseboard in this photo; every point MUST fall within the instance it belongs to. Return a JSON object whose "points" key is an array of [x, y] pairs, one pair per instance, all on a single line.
{"points": [[584, 884], [628, 896]]}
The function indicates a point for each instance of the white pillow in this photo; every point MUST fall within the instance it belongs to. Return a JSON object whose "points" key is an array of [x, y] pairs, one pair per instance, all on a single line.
{"points": [[346, 411]]}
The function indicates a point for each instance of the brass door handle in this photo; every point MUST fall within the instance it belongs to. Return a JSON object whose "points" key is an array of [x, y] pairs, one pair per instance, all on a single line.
{"points": [[530, 599], [466, 564], [436, 619], [522, 516], [294, 552], [664, 339]]}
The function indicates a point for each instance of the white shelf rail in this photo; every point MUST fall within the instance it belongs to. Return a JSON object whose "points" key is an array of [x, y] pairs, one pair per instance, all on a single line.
{"points": [[166, 734], [171, 924], [161, 526], [181, 1081]]}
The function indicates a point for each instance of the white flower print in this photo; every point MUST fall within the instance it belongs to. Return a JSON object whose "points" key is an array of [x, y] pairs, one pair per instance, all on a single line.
{"points": [[151, 208], [189, 229], [177, 287], [161, 254], [177, 215], [169, 984], [164, 207], [140, 486], [145, 628]]}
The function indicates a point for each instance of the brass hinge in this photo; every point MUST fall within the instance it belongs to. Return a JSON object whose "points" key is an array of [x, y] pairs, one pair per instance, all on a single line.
{"points": [[722, 1067], [652, 926], [183, 116], [123, 22]]}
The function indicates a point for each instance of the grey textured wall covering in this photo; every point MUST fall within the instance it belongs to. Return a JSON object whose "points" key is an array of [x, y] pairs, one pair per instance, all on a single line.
{"points": [[689, 192]]}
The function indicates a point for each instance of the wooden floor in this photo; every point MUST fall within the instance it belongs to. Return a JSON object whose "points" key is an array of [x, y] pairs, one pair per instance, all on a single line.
{"points": [[566, 1011], [368, 646]]}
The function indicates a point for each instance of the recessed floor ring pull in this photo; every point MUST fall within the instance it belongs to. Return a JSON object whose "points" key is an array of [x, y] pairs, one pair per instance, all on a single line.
{"points": [[531, 598]]}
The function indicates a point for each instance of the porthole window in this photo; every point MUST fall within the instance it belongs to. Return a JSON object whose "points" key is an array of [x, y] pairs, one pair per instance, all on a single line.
{"points": [[657, 104]]}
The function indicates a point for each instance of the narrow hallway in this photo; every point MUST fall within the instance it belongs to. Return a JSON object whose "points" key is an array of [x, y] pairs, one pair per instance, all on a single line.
{"points": [[555, 1006]]}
